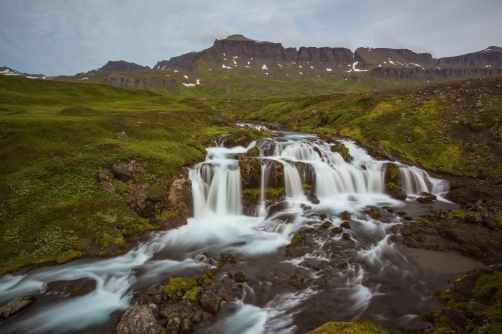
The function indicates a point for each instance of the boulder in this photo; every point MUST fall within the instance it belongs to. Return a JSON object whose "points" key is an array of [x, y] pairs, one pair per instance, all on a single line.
{"points": [[16, 305], [210, 302], [345, 215], [227, 297], [374, 213], [397, 193], [73, 288], [473, 219], [326, 224], [198, 316], [337, 230], [345, 225], [426, 197], [139, 319], [155, 289]]}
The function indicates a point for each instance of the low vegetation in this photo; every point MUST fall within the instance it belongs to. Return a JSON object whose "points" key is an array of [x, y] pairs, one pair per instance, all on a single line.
{"points": [[54, 139]]}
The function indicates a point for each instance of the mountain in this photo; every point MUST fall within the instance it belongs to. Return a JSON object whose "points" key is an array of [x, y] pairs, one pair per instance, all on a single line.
{"points": [[240, 67], [9, 71]]}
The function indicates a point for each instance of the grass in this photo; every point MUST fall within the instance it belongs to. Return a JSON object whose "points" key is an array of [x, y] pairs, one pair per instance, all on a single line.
{"points": [[54, 139], [358, 327]]}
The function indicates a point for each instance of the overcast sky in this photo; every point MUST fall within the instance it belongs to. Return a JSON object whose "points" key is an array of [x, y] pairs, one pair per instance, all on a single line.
{"points": [[56, 37]]}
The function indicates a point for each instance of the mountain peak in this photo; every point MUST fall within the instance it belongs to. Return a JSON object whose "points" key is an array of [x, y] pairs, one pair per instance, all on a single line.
{"points": [[238, 37]]}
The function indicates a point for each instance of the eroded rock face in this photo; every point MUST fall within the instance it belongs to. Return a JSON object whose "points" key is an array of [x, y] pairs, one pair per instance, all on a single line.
{"points": [[16, 305], [151, 200], [137, 320], [73, 288]]}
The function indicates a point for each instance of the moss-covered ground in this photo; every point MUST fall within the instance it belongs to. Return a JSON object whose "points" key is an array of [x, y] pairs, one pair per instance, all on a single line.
{"points": [[358, 327], [54, 139]]}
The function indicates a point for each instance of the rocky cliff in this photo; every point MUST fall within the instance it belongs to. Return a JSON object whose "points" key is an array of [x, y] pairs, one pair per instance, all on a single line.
{"points": [[433, 73], [146, 83], [122, 66]]}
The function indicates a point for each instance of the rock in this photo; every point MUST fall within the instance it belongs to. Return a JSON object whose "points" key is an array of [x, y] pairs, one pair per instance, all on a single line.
{"points": [[108, 186], [473, 219], [140, 298], [408, 218], [426, 197], [345, 225], [122, 136], [311, 196], [489, 221], [346, 236], [186, 325], [397, 193], [173, 325], [198, 316], [16, 305], [337, 230], [323, 216], [299, 281], [326, 224], [103, 176], [155, 289], [227, 297], [210, 302], [374, 213], [73, 288], [239, 277], [345, 215], [139, 319]]}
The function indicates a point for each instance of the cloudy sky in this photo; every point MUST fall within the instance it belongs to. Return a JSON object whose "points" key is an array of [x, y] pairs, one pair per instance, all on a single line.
{"points": [[56, 37]]}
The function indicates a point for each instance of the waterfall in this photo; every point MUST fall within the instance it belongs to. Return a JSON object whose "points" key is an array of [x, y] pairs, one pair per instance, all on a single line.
{"points": [[263, 185], [414, 180]]}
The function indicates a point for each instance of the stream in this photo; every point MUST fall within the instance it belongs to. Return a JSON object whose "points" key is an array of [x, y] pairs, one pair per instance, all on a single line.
{"points": [[361, 272]]}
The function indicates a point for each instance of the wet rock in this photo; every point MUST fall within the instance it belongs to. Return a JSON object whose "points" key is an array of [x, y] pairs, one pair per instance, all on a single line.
{"points": [[73, 288], [210, 302], [337, 230], [397, 193], [426, 198], [140, 298], [401, 213], [311, 196], [227, 297], [408, 218], [374, 213], [345, 225], [326, 224], [16, 305], [198, 316], [155, 289], [239, 277], [344, 215], [122, 136], [323, 216], [250, 172], [299, 281], [346, 236], [139, 319]]}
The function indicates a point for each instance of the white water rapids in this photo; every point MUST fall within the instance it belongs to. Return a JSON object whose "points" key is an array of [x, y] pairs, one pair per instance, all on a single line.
{"points": [[219, 226]]}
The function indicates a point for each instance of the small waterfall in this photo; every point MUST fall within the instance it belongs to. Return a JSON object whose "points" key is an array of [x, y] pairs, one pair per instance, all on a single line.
{"points": [[216, 183], [414, 180], [292, 182], [263, 185]]}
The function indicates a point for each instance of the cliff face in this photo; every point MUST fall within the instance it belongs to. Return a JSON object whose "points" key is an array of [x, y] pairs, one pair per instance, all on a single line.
{"points": [[146, 83], [433, 73], [491, 57]]}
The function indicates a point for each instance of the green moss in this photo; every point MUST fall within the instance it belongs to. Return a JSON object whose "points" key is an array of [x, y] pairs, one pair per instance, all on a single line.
{"points": [[68, 256], [193, 294], [176, 284], [359, 327], [253, 152], [498, 220]]}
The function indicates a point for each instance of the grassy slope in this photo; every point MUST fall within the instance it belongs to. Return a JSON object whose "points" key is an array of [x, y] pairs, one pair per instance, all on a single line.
{"points": [[441, 126], [54, 139], [244, 83]]}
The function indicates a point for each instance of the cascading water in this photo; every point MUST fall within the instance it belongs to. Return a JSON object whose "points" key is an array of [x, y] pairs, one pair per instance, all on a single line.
{"points": [[349, 275]]}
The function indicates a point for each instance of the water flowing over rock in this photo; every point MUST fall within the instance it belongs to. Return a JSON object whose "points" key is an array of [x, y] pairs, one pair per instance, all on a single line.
{"points": [[16, 305], [74, 288]]}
